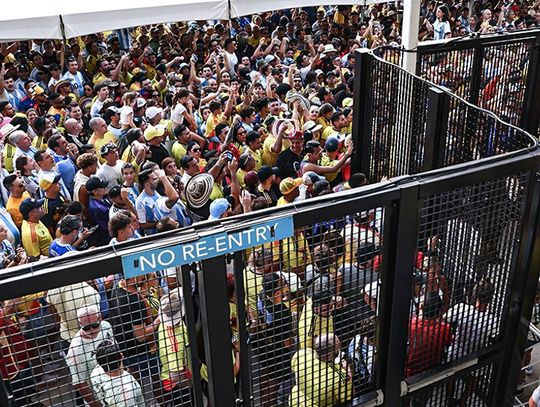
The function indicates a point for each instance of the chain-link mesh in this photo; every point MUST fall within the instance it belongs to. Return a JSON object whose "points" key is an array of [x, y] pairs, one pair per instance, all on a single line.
{"points": [[468, 245], [473, 389], [311, 303], [108, 341]]}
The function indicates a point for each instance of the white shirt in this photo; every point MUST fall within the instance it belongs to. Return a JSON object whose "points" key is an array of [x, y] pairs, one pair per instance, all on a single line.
{"points": [[121, 391], [473, 329], [81, 356], [124, 114], [177, 115], [67, 300], [113, 175]]}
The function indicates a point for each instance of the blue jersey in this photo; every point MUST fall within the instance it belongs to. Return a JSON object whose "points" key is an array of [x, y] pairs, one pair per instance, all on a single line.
{"points": [[58, 249]]}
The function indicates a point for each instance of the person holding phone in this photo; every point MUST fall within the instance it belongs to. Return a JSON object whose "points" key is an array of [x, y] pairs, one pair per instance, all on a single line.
{"points": [[441, 27]]}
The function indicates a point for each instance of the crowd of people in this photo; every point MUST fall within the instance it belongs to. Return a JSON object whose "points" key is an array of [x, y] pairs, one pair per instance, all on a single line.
{"points": [[120, 135]]}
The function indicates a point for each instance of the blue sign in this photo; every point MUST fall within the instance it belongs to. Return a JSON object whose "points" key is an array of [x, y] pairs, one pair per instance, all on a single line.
{"points": [[207, 247]]}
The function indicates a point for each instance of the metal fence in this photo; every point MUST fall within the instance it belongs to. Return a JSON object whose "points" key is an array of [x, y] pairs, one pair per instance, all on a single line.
{"points": [[496, 72], [414, 291], [407, 125]]}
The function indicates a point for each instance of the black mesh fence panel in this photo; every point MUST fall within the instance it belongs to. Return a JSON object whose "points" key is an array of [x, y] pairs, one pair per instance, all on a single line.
{"points": [[504, 79], [468, 245], [400, 109], [108, 341], [473, 389], [311, 311], [451, 69], [399, 103]]}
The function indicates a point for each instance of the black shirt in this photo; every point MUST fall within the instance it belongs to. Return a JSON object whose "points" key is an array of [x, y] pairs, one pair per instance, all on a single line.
{"points": [[159, 153], [286, 164], [127, 310]]}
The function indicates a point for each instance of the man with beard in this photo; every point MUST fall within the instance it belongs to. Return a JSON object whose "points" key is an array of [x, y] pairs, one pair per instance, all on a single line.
{"points": [[290, 159]]}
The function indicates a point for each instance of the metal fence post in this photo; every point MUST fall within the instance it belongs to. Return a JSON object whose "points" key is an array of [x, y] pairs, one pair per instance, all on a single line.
{"points": [[530, 116], [476, 74], [243, 334], [191, 321], [436, 128], [395, 299], [217, 333], [362, 109], [523, 288]]}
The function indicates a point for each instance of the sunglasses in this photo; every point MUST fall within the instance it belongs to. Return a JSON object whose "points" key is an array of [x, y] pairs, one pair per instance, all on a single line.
{"points": [[196, 150], [88, 327]]}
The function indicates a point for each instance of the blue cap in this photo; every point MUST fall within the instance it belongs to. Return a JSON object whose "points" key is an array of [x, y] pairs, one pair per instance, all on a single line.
{"points": [[218, 207], [331, 144]]}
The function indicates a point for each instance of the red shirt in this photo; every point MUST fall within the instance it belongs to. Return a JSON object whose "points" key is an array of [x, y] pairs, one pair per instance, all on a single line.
{"points": [[13, 350], [427, 341]]}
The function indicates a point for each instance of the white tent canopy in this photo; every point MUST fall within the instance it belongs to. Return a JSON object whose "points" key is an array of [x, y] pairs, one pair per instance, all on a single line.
{"points": [[44, 20], [246, 7]]}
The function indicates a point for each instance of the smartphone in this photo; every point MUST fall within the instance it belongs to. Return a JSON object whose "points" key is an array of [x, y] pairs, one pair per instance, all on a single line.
{"points": [[93, 229], [194, 58]]}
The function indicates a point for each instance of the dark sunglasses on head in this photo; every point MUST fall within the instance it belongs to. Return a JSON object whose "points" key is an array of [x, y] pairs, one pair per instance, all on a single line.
{"points": [[93, 325]]}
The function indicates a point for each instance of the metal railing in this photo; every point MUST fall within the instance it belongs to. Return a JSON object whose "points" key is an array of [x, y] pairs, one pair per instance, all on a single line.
{"points": [[409, 291], [497, 72]]}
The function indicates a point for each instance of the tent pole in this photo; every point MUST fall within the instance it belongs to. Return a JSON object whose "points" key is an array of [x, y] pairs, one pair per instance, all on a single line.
{"points": [[411, 22], [63, 31]]}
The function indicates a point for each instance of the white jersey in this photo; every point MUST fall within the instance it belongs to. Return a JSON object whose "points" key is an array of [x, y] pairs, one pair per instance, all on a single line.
{"points": [[77, 82], [81, 356], [473, 329], [121, 391]]}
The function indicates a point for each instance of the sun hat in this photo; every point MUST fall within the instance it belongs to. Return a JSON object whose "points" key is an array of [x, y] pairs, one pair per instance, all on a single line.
{"points": [[198, 190]]}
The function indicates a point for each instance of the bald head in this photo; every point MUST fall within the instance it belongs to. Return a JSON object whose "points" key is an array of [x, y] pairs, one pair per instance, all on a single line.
{"points": [[98, 126], [73, 127], [327, 346]]}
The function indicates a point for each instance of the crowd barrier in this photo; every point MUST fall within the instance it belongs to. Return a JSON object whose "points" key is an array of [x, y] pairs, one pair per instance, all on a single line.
{"points": [[412, 291]]}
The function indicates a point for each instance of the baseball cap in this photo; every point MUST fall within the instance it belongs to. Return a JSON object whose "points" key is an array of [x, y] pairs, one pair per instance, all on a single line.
{"points": [[331, 144], [28, 205], [140, 103], [47, 179], [269, 58], [152, 132], [311, 178], [289, 184], [295, 135], [107, 148], [347, 102], [250, 179], [153, 111], [266, 172], [94, 182], [218, 207], [172, 308]]}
